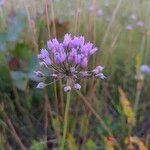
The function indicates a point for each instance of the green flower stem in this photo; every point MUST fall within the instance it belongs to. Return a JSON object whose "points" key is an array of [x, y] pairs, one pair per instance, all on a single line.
{"points": [[65, 121]]}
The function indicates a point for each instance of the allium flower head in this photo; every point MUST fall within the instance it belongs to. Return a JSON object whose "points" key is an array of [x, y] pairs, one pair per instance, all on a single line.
{"points": [[68, 60], [129, 27], [145, 69], [140, 23], [2, 2], [100, 13], [133, 17]]}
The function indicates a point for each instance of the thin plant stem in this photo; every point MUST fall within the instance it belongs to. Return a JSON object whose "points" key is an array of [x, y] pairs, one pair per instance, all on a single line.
{"points": [[55, 35], [46, 119], [49, 36], [15, 135], [61, 97], [137, 100], [32, 28], [53, 19], [77, 17], [13, 131], [47, 18], [66, 117], [98, 117], [111, 22]]}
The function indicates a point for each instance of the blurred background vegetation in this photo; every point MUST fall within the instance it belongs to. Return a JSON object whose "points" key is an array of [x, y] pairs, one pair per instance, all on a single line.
{"points": [[32, 118]]}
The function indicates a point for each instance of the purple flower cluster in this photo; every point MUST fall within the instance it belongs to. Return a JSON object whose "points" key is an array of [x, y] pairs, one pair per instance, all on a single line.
{"points": [[100, 13], [129, 27], [2, 2], [133, 17], [140, 23], [145, 69], [68, 60], [134, 22]]}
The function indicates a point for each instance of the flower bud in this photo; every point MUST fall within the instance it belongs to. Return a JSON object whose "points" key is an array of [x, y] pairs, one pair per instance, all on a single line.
{"points": [[72, 69], [55, 76], [38, 73], [100, 68], [84, 74], [77, 86], [95, 71], [41, 85], [92, 51], [67, 88], [67, 40], [42, 64], [100, 76]]}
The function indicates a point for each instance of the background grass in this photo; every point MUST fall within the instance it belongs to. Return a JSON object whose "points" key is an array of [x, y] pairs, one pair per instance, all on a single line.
{"points": [[32, 118]]}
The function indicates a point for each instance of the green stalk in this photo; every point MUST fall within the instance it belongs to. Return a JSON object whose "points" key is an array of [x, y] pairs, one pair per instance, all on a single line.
{"points": [[65, 121]]}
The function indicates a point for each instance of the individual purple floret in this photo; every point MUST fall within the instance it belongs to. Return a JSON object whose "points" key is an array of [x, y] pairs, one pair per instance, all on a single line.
{"points": [[100, 76], [140, 24], [145, 69], [68, 60]]}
